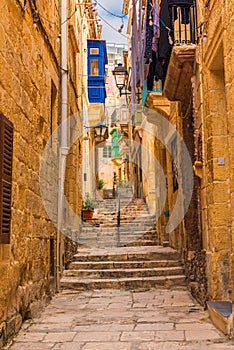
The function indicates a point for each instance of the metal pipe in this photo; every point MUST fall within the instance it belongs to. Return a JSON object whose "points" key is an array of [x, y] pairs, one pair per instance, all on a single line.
{"points": [[63, 138]]}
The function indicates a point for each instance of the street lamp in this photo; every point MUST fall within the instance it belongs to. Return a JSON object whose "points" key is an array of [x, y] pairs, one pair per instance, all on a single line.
{"points": [[121, 77], [100, 131], [121, 81]]}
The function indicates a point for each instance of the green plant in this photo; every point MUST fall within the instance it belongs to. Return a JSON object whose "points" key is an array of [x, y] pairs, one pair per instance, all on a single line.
{"points": [[100, 184], [88, 202]]}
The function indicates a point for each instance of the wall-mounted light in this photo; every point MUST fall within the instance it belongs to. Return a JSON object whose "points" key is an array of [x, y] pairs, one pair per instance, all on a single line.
{"points": [[121, 81], [121, 77], [100, 131]]}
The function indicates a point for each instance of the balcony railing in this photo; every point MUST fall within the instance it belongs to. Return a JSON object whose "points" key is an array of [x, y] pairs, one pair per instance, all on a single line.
{"points": [[184, 22], [184, 35]]}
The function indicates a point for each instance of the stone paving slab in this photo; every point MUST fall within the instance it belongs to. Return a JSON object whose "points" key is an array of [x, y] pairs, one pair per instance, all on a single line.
{"points": [[121, 320]]}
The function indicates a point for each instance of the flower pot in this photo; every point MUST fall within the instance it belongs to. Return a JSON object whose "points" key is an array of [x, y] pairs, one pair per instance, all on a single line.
{"points": [[87, 214]]}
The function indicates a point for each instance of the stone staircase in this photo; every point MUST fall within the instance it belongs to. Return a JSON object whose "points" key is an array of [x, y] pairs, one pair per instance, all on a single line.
{"points": [[124, 267], [136, 263], [137, 225]]}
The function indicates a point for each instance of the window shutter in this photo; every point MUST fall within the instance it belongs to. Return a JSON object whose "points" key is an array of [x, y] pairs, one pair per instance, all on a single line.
{"points": [[6, 151]]}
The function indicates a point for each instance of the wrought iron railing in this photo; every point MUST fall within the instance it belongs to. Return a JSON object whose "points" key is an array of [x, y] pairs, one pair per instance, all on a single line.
{"points": [[184, 22]]}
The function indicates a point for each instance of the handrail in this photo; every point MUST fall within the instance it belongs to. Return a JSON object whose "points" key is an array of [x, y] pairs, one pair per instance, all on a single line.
{"points": [[118, 214]]}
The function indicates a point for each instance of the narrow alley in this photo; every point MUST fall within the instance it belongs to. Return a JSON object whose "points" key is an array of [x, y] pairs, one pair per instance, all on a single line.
{"points": [[127, 297], [108, 319], [116, 175]]}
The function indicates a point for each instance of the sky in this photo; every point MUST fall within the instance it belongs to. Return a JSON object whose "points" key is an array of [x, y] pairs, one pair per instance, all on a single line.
{"points": [[109, 34]]}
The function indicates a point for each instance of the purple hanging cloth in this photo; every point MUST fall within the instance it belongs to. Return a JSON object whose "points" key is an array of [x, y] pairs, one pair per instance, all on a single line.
{"points": [[134, 47], [156, 20], [140, 47], [156, 26]]}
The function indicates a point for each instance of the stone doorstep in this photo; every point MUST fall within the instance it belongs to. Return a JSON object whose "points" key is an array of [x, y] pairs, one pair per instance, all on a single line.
{"points": [[221, 315]]}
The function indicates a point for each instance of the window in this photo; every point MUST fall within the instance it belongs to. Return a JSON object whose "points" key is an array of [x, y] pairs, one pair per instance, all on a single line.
{"points": [[94, 51], [107, 152], [94, 67], [6, 151]]}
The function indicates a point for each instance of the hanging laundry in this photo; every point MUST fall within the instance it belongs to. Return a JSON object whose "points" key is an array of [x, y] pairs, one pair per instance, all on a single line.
{"points": [[156, 71], [164, 47], [156, 20], [140, 47], [134, 47], [156, 26], [149, 32]]}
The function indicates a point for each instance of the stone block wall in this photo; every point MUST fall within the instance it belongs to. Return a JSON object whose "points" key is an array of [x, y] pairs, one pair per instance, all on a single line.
{"points": [[29, 85], [215, 56]]}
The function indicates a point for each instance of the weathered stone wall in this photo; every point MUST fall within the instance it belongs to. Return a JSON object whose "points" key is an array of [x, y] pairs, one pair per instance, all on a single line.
{"points": [[29, 72], [196, 274], [215, 55]]}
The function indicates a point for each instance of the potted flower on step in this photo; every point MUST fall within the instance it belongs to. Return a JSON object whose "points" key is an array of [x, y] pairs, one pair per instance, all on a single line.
{"points": [[88, 207]]}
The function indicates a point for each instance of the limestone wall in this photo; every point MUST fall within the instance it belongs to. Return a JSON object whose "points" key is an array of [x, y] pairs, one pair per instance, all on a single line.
{"points": [[29, 85], [216, 58]]}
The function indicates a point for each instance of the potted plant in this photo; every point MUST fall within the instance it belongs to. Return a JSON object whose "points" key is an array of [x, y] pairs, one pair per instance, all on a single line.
{"points": [[88, 207], [100, 184]]}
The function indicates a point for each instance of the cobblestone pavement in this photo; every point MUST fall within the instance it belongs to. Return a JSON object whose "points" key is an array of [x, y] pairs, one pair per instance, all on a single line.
{"points": [[121, 320]]}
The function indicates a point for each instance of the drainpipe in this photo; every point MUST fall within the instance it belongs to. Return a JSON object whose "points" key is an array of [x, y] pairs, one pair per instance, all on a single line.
{"points": [[63, 150]]}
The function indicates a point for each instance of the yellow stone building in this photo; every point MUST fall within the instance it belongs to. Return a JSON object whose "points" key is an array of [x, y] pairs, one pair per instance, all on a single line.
{"points": [[32, 251], [197, 101]]}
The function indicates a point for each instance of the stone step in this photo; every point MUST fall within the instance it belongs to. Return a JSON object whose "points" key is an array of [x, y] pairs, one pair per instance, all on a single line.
{"points": [[113, 243], [131, 216], [124, 228], [136, 243], [124, 220], [147, 234], [128, 254], [97, 265], [114, 232], [118, 273], [126, 216], [125, 283], [123, 233]]}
